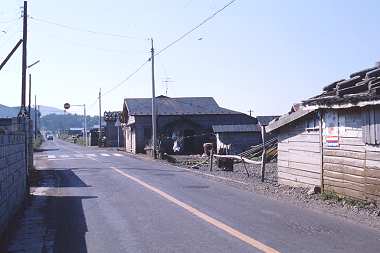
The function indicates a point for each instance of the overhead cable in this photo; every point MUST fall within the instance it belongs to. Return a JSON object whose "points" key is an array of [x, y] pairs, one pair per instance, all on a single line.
{"points": [[196, 27], [83, 30]]}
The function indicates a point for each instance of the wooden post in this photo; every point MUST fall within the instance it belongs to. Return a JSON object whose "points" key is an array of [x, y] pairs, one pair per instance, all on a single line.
{"points": [[263, 156], [245, 167], [321, 145], [211, 158]]}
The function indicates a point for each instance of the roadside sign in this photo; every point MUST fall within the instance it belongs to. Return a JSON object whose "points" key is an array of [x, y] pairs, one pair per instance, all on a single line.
{"points": [[66, 106], [117, 123]]}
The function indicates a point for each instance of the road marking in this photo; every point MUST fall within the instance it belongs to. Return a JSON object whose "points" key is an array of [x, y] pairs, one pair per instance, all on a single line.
{"points": [[116, 154], [64, 156], [65, 159], [243, 237], [79, 155], [51, 157], [104, 154], [92, 155]]}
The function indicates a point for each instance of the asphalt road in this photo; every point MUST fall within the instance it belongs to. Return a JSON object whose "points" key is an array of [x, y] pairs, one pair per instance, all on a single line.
{"points": [[100, 200]]}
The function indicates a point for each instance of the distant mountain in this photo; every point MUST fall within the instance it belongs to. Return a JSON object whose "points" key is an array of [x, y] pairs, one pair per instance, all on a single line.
{"points": [[8, 112], [46, 110], [11, 112]]}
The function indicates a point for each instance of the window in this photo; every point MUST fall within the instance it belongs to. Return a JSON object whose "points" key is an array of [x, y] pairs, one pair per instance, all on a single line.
{"points": [[371, 125]]}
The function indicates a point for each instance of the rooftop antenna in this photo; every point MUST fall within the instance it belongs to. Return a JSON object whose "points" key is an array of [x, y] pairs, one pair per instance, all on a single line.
{"points": [[166, 82]]}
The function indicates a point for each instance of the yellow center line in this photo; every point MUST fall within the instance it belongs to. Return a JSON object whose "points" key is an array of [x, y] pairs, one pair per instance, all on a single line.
{"points": [[243, 237]]}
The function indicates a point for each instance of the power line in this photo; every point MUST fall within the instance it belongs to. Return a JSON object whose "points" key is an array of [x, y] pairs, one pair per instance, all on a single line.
{"points": [[196, 27], [127, 78], [83, 30], [90, 46]]}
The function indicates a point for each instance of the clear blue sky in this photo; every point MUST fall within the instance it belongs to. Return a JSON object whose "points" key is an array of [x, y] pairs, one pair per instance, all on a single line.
{"points": [[259, 55]]}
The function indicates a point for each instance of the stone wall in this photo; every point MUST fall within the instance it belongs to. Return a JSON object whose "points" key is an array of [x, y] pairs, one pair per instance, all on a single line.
{"points": [[13, 168]]}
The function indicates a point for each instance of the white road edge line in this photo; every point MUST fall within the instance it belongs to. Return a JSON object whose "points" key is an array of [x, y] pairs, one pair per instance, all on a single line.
{"points": [[103, 154], [239, 235]]}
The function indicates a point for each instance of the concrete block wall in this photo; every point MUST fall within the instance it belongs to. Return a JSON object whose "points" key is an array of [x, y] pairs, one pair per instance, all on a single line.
{"points": [[13, 172]]}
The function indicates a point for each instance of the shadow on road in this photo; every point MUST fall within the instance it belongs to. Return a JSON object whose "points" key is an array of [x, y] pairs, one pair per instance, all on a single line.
{"points": [[51, 221], [45, 149], [57, 177]]}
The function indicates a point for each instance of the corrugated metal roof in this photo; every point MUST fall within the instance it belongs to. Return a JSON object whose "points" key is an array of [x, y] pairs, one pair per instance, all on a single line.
{"points": [[175, 106], [264, 120], [235, 128]]}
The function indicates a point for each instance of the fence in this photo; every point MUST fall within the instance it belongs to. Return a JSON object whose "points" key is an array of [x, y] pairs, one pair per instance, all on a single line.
{"points": [[16, 155]]}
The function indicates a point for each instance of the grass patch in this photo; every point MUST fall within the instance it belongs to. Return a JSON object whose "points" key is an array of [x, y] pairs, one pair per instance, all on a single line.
{"points": [[330, 195]]}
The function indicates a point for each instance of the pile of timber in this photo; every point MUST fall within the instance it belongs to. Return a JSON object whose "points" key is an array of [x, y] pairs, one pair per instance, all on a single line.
{"points": [[255, 152]]}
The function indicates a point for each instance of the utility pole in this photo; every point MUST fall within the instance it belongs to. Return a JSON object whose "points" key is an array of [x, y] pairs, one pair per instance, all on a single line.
{"points": [[23, 111], [250, 112], [154, 110], [100, 116], [85, 124], [35, 116], [30, 95]]}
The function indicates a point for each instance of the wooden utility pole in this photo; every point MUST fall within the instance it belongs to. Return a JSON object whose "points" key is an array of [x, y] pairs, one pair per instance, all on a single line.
{"points": [[263, 156], [23, 111], [35, 116], [30, 95], [154, 110], [85, 125], [100, 116]]}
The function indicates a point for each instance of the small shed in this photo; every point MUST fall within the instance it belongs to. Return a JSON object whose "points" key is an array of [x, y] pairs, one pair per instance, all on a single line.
{"points": [[234, 139], [333, 139]]}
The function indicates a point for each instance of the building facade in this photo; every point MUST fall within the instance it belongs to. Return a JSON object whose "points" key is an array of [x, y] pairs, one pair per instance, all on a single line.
{"points": [[333, 139], [183, 124]]}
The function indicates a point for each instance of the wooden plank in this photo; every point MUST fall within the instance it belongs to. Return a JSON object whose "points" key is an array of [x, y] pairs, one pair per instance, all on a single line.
{"points": [[344, 153], [344, 169], [373, 148], [346, 192], [283, 155], [374, 173], [374, 156], [283, 163], [345, 177], [373, 164], [283, 146], [372, 181], [302, 173], [304, 157], [351, 141], [344, 184], [344, 161], [304, 166], [352, 148], [297, 178], [305, 138], [372, 189], [305, 146], [284, 181]]}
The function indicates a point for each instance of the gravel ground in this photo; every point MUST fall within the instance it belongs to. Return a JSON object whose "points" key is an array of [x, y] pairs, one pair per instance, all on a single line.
{"points": [[356, 211]]}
